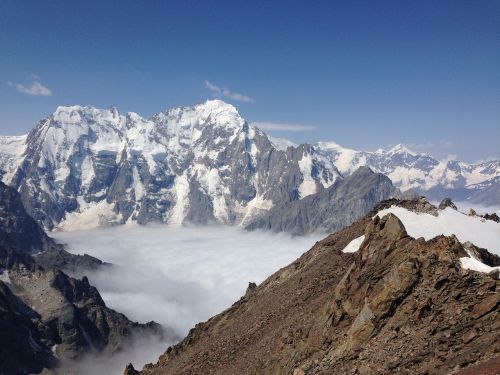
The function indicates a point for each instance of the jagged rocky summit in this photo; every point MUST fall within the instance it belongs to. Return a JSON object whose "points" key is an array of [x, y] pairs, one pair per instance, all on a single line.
{"points": [[201, 164], [48, 318], [83, 166], [369, 299]]}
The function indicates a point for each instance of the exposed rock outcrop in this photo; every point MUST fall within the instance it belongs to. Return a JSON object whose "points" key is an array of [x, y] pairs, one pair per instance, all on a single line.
{"points": [[493, 217], [331, 209], [399, 305], [20, 232], [17, 229], [447, 202], [47, 316]]}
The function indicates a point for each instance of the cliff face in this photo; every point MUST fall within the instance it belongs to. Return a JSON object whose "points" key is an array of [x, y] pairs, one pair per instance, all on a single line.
{"points": [[397, 305], [331, 209], [17, 228], [46, 316]]}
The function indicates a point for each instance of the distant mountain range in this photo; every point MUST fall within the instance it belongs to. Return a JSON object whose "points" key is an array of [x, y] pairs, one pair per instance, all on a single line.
{"points": [[83, 166]]}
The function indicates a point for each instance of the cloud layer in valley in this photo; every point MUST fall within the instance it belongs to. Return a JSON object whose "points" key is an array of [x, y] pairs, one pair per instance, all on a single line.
{"points": [[179, 276]]}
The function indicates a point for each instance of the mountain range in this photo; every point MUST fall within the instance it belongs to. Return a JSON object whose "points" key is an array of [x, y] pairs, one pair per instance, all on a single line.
{"points": [[83, 166]]}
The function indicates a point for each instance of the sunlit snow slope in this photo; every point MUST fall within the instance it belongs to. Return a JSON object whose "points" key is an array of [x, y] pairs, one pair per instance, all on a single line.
{"points": [[480, 232]]}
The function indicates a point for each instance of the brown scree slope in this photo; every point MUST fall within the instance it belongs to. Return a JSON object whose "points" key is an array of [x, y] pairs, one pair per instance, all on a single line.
{"points": [[397, 306]]}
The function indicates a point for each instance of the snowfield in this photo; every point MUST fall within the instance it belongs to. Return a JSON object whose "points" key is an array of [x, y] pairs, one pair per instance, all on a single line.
{"points": [[482, 233]]}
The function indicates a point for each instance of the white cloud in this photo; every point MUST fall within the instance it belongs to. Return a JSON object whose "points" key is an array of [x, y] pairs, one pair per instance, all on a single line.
{"points": [[283, 127], [225, 92], [180, 276], [35, 88]]}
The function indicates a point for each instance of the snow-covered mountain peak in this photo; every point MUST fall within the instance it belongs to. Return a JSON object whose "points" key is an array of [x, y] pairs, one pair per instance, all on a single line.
{"points": [[281, 143], [333, 146], [78, 115], [216, 105], [401, 149], [202, 163], [188, 123]]}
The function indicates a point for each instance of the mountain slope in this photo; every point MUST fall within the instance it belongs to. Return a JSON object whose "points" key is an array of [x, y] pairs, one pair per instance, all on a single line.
{"points": [[331, 209], [17, 229], [393, 304], [421, 172], [83, 166], [46, 316]]}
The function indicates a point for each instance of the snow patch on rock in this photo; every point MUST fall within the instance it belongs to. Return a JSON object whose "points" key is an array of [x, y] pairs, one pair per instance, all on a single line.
{"points": [[354, 245]]}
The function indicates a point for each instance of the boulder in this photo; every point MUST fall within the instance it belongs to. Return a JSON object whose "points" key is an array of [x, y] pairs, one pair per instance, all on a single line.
{"points": [[447, 202]]}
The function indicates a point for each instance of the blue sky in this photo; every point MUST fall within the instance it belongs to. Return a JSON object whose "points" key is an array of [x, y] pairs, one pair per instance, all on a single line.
{"points": [[365, 74]]}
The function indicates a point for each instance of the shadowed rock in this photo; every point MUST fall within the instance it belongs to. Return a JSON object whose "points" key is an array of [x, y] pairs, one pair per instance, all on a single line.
{"points": [[446, 202]]}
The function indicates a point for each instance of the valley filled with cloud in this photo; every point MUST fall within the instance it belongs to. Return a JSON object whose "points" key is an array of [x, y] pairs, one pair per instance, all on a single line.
{"points": [[176, 276]]}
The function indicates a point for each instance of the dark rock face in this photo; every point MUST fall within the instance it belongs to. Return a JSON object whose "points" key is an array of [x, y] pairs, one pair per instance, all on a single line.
{"points": [[398, 306], [22, 350], [45, 315], [20, 232], [17, 228], [493, 217], [483, 255], [331, 209], [418, 204], [70, 263], [446, 202], [70, 319]]}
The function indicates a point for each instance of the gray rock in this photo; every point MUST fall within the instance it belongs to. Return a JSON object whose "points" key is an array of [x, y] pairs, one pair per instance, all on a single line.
{"points": [[201, 164], [447, 202], [331, 209]]}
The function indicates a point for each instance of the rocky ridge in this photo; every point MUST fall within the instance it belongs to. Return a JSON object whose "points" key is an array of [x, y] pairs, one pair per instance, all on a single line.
{"points": [[83, 166], [331, 209], [397, 305], [46, 316], [202, 164]]}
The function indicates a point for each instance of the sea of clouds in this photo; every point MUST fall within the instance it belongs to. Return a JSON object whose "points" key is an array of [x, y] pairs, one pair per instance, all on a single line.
{"points": [[176, 276]]}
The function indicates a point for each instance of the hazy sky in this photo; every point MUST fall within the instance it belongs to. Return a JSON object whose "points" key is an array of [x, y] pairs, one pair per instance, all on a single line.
{"points": [[365, 74]]}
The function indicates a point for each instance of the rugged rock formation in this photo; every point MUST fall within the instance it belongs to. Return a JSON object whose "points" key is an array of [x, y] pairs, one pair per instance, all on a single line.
{"points": [[83, 165], [493, 217], [447, 202], [22, 350], [331, 209], [68, 316], [74, 264], [17, 228], [86, 166], [20, 232], [398, 305], [45, 315]]}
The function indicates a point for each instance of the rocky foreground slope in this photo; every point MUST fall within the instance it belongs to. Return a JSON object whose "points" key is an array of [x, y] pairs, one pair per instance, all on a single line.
{"points": [[46, 316], [397, 305]]}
